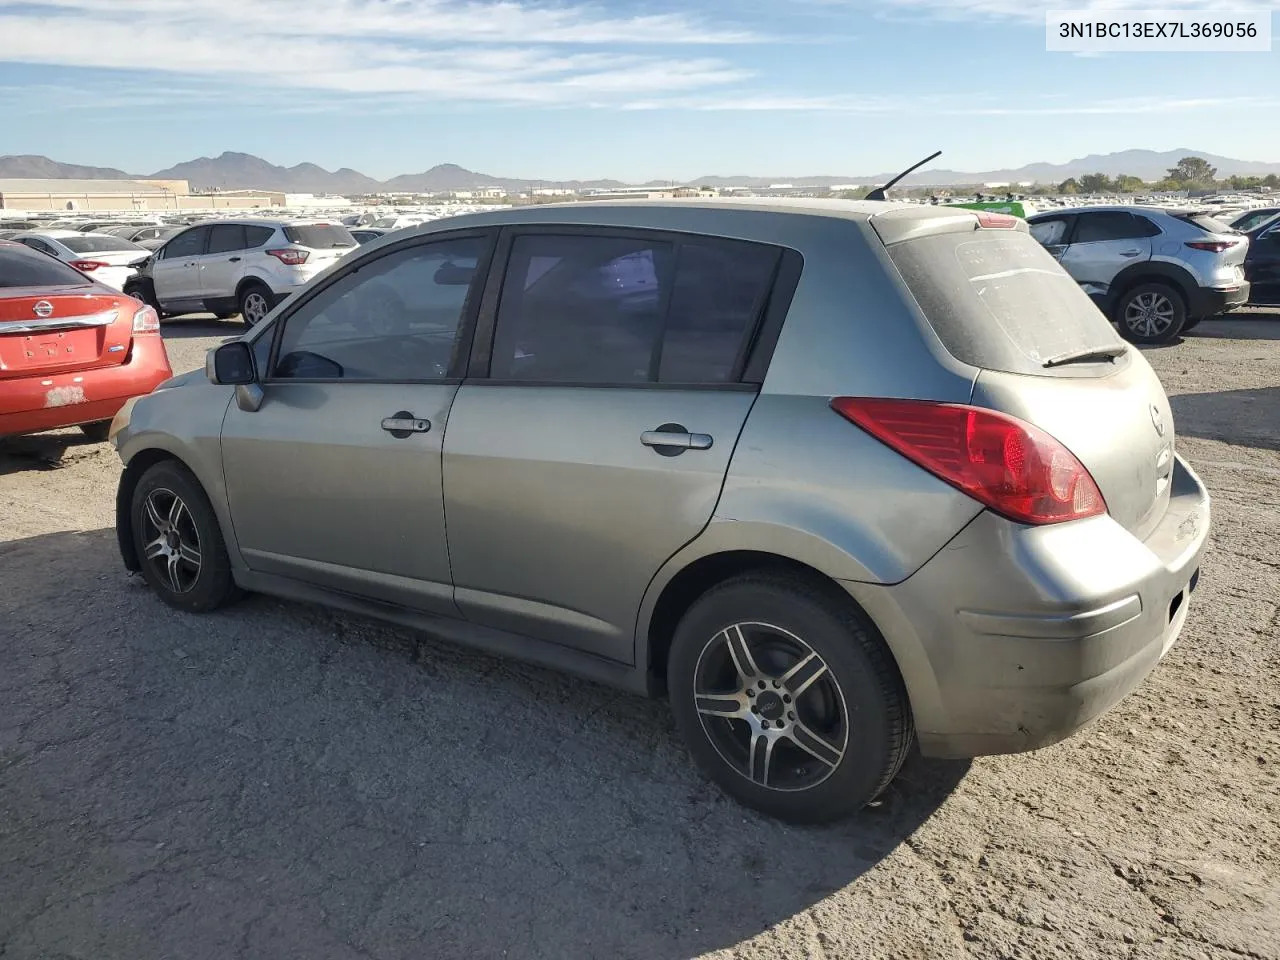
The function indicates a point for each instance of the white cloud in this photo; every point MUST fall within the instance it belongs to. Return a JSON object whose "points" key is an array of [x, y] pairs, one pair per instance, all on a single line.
{"points": [[445, 50], [1029, 11]]}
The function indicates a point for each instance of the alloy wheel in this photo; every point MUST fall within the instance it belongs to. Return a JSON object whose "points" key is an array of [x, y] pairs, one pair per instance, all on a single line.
{"points": [[1149, 314], [171, 540], [771, 707], [255, 308]]}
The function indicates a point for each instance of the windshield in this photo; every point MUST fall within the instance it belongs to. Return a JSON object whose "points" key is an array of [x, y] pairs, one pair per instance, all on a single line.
{"points": [[100, 244], [20, 267], [320, 236], [998, 301]]}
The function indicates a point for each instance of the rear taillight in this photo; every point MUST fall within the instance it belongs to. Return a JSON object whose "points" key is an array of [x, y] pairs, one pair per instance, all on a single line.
{"points": [[146, 320], [1016, 469], [290, 257], [88, 266], [1212, 246]]}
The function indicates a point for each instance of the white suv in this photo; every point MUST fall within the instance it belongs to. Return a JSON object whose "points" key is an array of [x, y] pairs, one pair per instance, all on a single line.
{"points": [[238, 266]]}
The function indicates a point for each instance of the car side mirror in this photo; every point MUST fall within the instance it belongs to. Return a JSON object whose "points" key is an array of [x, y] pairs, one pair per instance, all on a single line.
{"points": [[231, 364]]}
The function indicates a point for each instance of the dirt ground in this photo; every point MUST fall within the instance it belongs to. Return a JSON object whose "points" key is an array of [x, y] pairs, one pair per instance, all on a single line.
{"points": [[278, 781]]}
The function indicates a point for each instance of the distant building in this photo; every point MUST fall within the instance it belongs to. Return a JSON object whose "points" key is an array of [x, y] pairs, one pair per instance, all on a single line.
{"points": [[124, 195], [553, 192], [311, 200]]}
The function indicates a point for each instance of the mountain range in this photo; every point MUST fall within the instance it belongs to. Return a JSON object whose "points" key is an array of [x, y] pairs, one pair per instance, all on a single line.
{"points": [[232, 171]]}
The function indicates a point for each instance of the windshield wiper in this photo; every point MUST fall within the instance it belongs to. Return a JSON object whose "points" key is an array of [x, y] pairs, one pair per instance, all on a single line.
{"points": [[1092, 355]]}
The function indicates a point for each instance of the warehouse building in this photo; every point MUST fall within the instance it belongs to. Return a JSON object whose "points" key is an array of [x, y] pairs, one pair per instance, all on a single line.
{"points": [[123, 195]]}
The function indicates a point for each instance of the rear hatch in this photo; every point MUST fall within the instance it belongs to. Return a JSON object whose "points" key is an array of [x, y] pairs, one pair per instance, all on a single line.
{"points": [[1219, 241], [49, 330], [326, 242], [1046, 355]]}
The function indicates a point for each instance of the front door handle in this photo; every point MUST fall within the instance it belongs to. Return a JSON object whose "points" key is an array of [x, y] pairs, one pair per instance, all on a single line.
{"points": [[671, 438], [233, 259], [1130, 253], [405, 424]]}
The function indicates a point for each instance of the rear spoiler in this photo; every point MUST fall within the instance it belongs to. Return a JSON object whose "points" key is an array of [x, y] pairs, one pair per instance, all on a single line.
{"points": [[904, 223]]}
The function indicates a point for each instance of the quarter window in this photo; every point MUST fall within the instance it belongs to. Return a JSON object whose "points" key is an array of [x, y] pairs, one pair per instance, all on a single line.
{"points": [[396, 318], [627, 310], [257, 236]]}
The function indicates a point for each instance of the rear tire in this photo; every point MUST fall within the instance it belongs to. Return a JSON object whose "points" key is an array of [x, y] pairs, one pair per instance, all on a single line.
{"points": [[1150, 313], [256, 302], [178, 541], [96, 432], [805, 744]]}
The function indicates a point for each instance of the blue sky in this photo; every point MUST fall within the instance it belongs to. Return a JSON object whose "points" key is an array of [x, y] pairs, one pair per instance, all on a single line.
{"points": [[633, 89]]}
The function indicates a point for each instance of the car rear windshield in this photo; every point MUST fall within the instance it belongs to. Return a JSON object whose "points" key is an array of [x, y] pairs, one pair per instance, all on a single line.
{"points": [[998, 301], [99, 244], [1207, 223], [320, 236], [25, 268]]}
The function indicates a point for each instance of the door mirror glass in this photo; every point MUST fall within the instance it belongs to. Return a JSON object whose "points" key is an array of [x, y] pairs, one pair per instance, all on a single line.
{"points": [[231, 363]]}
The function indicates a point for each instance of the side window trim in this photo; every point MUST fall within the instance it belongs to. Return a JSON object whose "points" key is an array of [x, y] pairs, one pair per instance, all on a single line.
{"points": [[754, 352], [466, 326]]}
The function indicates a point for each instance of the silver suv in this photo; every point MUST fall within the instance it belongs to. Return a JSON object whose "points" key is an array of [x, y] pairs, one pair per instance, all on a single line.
{"points": [[1155, 272], [835, 477], [237, 266]]}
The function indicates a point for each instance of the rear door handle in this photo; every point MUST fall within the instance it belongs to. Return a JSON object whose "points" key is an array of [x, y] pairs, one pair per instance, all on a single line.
{"points": [[405, 424], [1130, 253], [233, 260], [674, 440]]}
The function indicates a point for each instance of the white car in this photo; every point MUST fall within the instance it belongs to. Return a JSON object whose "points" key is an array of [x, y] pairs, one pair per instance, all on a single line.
{"points": [[107, 259], [238, 266]]}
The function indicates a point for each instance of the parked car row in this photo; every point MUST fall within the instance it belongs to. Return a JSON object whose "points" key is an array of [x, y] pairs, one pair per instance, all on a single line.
{"points": [[1158, 272]]}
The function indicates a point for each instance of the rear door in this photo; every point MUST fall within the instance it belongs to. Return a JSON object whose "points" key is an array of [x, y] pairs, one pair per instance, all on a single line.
{"points": [[1101, 244], [176, 270], [591, 441], [53, 320]]}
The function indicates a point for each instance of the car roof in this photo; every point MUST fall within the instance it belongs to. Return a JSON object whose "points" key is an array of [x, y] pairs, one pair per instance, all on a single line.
{"points": [[267, 222], [51, 234]]}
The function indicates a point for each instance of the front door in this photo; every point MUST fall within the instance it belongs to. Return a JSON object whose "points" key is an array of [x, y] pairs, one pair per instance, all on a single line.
{"points": [[175, 273], [597, 444], [336, 480], [1262, 267], [1102, 244]]}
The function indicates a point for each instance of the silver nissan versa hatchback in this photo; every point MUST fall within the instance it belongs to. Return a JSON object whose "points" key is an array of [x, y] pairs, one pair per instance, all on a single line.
{"points": [[834, 477]]}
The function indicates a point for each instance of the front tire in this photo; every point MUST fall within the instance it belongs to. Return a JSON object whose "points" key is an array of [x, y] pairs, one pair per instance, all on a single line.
{"points": [[788, 698], [256, 302], [1150, 313], [178, 541]]}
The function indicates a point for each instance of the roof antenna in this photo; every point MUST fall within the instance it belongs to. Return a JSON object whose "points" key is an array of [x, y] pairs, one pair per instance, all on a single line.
{"points": [[881, 193]]}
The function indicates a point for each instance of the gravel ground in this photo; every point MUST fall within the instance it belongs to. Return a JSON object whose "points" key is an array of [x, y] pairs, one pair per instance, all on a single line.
{"points": [[278, 781]]}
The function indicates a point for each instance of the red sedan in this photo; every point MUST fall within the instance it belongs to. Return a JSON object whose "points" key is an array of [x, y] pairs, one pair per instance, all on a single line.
{"points": [[72, 351]]}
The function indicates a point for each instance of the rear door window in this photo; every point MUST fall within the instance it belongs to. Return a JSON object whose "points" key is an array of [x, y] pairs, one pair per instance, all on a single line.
{"points": [[1111, 225], [320, 236], [997, 300], [629, 310], [226, 238]]}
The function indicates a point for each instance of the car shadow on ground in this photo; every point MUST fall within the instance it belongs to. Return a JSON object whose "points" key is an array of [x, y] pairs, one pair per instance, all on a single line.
{"points": [[42, 451], [192, 327], [280, 780], [1243, 417], [1255, 323]]}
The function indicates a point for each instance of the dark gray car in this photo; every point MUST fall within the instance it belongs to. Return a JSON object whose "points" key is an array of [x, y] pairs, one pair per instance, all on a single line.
{"points": [[834, 477]]}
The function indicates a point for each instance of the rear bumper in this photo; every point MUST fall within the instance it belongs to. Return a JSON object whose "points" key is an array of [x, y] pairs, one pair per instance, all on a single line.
{"points": [[1013, 637], [33, 404], [1209, 302]]}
